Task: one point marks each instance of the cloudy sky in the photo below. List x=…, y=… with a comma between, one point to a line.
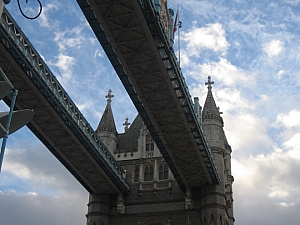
x=251, y=49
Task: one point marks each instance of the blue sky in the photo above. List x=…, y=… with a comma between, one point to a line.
x=251, y=49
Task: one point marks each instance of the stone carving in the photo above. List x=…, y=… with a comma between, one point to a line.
x=120, y=204
x=189, y=201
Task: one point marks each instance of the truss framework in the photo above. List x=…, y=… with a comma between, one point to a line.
x=58, y=123
x=134, y=40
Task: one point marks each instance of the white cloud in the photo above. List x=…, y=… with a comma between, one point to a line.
x=44, y=18
x=280, y=73
x=293, y=2
x=277, y=192
x=65, y=64
x=292, y=119
x=225, y=73
x=266, y=180
x=69, y=38
x=230, y=99
x=98, y=53
x=46, y=188
x=83, y=106
x=273, y=48
x=32, y=208
x=17, y=169
x=32, y=194
x=211, y=37
x=294, y=144
x=247, y=133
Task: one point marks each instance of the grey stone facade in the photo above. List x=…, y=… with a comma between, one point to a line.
x=155, y=197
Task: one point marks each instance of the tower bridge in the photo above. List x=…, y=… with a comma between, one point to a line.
x=137, y=44
x=136, y=36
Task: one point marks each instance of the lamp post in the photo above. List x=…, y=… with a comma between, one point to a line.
x=2, y=2
x=13, y=120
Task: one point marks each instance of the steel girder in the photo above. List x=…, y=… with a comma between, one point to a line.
x=131, y=34
x=57, y=122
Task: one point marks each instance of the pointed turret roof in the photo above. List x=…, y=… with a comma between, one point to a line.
x=129, y=140
x=210, y=109
x=107, y=122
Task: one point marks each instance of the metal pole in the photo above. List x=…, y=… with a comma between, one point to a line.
x=5, y=77
x=1, y=7
x=178, y=37
x=6, y=133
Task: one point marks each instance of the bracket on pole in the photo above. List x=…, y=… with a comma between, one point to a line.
x=20, y=117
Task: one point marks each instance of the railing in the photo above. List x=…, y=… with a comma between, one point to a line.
x=170, y=62
x=37, y=71
x=172, y=66
x=112, y=56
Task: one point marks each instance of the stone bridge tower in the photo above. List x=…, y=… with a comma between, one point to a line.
x=216, y=200
x=155, y=197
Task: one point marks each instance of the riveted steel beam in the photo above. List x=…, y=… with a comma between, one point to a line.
x=58, y=123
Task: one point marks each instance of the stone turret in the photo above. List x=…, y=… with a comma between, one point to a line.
x=217, y=199
x=98, y=206
x=107, y=129
x=155, y=196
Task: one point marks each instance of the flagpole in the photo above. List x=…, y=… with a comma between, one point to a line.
x=177, y=26
x=178, y=38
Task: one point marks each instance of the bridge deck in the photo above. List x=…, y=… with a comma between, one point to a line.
x=132, y=35
x=57, y=121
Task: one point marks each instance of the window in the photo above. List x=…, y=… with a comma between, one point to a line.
x=148, y=173
x=151, y=173
x=149, y=143
x=136, y=174
x=163, y=172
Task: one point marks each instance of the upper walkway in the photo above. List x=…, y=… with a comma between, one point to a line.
x=57, y=122
x=135, y=36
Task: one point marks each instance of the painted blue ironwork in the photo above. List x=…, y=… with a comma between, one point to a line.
x=5, y=129
x=175, y=75
x=40, y=75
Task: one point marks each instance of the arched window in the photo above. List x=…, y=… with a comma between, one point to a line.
x=136, y=174
x=148, y=173
x=151, y=173
x=163, y=172
x=149, y=143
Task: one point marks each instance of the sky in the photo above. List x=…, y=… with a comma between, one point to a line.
x=251, y=49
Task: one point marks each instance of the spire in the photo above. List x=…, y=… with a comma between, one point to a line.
x=210, y=109
x=107, y=122
x=126, y=124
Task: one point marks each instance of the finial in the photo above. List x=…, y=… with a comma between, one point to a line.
x=126, y=124
x=209, y=83
x=109, y=96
